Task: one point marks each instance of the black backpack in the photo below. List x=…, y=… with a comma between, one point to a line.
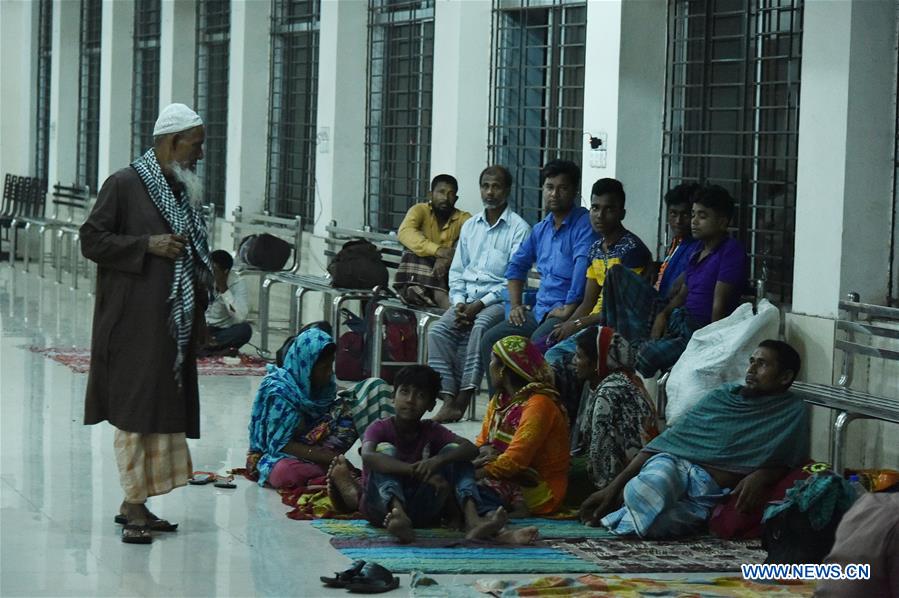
x=264, y=251
x=357, y=265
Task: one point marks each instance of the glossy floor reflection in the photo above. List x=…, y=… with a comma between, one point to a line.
x=59, y=487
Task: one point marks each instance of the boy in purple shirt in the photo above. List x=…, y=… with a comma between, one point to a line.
x=413, y=469
x=630, y=301
x=713, y=281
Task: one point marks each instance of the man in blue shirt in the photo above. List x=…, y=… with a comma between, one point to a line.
x=558, y=245
x=476, y=281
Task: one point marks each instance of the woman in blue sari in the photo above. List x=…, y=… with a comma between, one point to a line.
x=300, y=423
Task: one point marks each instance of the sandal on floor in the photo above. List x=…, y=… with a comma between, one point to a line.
x=373, y=579
x=136, y=534
x=344, y=577
x=155, y=524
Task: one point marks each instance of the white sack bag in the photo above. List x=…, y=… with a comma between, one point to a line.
x=716, y=354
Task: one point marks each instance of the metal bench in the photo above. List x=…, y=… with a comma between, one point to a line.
x=864, y=323
x=305, y=283
x=71, y=205
x=17, y=204
x=34, y=192
x=288, y=229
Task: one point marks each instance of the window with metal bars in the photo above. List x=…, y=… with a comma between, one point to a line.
x=145, y=82
x=44, y=58
x=537, y=91
x=398, y=119
x=211, y=93
x=89, y=94
x=292, y=117
x=732, y=119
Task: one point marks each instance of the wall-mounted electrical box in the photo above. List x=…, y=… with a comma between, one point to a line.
x=599, y=146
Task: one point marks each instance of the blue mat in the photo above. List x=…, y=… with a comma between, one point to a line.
x=439, y=550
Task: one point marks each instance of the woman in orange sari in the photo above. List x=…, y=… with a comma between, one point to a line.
x=524, y=439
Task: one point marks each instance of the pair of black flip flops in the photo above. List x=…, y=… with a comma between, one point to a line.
x=363, y=578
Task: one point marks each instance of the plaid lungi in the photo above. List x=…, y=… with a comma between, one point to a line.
x=416, y=283
x=670, y=497
x=151, y=464
x=629, y=303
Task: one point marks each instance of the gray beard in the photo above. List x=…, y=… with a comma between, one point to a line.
x=193, y=184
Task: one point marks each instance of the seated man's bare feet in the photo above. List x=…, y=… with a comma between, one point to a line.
x=488, y=526
x=343, y=489
x=399, y=525
x=518, y=536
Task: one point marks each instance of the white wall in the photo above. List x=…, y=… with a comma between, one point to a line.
x=461, y=93
x=340, y=120
x=18, y=71
x=177, y=51
x=63, y=150
x=624, y=92
x=116, y=79
x=843, y=194
x=248, y=91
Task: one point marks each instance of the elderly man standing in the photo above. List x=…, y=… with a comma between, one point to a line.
x=147, y=236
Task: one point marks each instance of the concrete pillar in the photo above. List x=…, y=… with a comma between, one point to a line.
x=844, y=178
x=844, y=188
x=18, y=99
x=624, y=103
x=248, y=90
x=63, y=150
x=340, y=163
x=177, y=53
x=116, y=59
x=461, y=103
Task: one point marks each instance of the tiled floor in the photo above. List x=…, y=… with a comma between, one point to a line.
x=59, y=487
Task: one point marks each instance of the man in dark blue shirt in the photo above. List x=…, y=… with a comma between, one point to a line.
x=558, y=245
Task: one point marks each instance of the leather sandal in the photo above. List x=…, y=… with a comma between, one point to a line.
x=154, y=523
x=373, y=579
x=341, y=579
x=136, y=534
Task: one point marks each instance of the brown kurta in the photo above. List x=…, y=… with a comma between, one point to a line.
x=131, y=381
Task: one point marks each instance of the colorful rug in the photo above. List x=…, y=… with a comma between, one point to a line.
x=595, y=586
x=79, y=361
x=563, y=547
x=359, y=530
x=704, y=554
x=440, y=550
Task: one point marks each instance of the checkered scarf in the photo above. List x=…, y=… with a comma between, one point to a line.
x=194, y=263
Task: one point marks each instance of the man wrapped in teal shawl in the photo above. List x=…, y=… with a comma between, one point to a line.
x=738, y=439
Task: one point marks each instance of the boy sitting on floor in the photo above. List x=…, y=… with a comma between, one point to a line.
x=413, y=469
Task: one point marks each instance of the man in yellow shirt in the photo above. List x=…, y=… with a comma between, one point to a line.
x=429, y=233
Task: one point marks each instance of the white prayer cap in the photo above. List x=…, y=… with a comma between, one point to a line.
x=175, y=118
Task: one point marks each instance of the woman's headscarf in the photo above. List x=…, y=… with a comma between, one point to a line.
x=285, y=395
x=614, y=353
x=294, y=379
x=524, y=358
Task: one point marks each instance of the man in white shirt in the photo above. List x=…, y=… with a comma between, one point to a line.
x=227, y=314
x=476, y=282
